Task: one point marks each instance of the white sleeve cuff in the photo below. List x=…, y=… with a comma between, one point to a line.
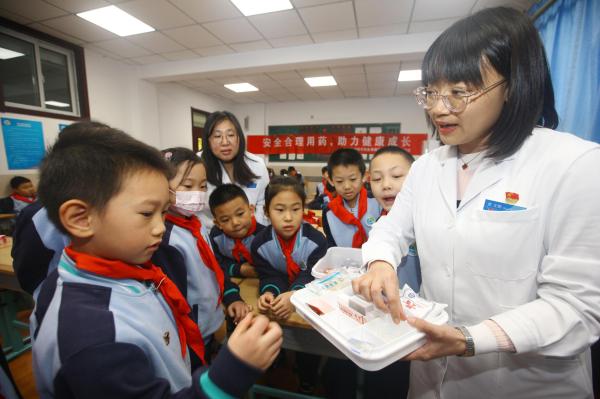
x=484, y=339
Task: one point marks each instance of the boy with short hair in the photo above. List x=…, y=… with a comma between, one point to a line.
x=234, y=230
x=349, y=217
x=108, y=323
x=23, y=194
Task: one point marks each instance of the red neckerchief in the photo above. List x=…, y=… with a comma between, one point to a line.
x=288, y=247
x=383, y=212
x=239, y=249
x=193, y=225
x=326, y=190
x=338, y=209
x=189, y=333
x=29, y=200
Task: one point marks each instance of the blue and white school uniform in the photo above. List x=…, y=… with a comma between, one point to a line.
x=310, y=246
x=223, y=246
x=99, y=337
x=179, y=257
x=37, y=247
x=340, y=234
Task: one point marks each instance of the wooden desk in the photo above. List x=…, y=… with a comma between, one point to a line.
x=8, y=279
x=10, y=289
x=7, y=215
x=298, y=334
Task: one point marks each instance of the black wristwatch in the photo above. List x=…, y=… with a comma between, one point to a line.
x=470, y=350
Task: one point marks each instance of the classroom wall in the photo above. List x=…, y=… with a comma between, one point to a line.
x=357, y=110
x=174, y=112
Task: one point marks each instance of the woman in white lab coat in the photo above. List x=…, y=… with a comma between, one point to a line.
x=506, y=219
x=227, y=161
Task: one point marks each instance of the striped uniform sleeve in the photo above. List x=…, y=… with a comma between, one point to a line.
x=270, y=280
x=305, y=276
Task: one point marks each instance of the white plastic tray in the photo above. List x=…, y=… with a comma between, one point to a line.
x=335, y=258
x=389, y=342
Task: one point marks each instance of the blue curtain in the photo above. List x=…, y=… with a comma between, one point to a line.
x=570, y=30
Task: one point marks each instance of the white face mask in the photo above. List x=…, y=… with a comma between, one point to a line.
x=189, y=202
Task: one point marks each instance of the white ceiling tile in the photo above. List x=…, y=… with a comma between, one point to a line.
x=308, y=96
x=156, y=42
x=385, y=30
x=382, y=12
x=307, y=73
x=35, y=10
x=193, y=36
x=227, y=79
x=431, y=26
x=251, y=46
x=180, y=55
x=291, y=41
x=292, y=84
x=204, y=84
x=382, y=78
x=284, y=75
x=329, y=92
x=435, y=9
x=123, y=48
x=75, y=6
x=233, y=30
x=310, y=3
x=382, y=85
x=208, y=10
x=355, y=93
x=353, y=85
x=386, y=67
x=213, y=50
x=329, y=17
x=384, y=92
x=258, y=78
x=53, y=32
x=347, y=70
x=275, y=91
x=323, y=37
x=101, y=51
x=278, y=24
x=150, y=59
x=14, y=17
x=160, y=14
x=80, y=28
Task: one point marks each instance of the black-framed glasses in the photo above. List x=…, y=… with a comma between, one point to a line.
x=455, y=101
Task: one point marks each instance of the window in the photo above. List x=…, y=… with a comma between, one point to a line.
x=40, y=75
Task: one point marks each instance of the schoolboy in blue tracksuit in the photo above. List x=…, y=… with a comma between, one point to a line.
x=235, y=227
x=108, y=323
x=349, y=217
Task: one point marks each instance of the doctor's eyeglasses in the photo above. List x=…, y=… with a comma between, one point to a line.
x=456, y=101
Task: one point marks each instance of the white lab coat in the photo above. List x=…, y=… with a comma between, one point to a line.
x=535, y=272
x=255, y=191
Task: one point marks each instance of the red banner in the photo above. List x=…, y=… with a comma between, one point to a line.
x=328, y=143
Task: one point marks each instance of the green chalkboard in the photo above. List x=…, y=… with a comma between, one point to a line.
x=326, y=129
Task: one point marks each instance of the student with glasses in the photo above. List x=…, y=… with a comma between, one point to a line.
x=505, y=217
x=227, y=161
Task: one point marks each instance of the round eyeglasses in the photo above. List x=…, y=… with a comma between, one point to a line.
x=456, y=101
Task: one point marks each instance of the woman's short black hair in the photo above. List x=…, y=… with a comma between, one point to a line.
x=345, y=157
x=506, y=40
x=283, y=183
x=242, y=174
x=392, y=149
x=225, y=193
x=175, y=156
x=89, y=161
x=16, y=181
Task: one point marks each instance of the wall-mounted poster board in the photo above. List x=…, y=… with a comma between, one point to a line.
x=23, y=143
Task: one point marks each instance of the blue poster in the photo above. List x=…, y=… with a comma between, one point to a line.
x=23, y=143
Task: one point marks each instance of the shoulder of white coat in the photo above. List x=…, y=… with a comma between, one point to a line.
x=255, y=158
x=551, y=146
